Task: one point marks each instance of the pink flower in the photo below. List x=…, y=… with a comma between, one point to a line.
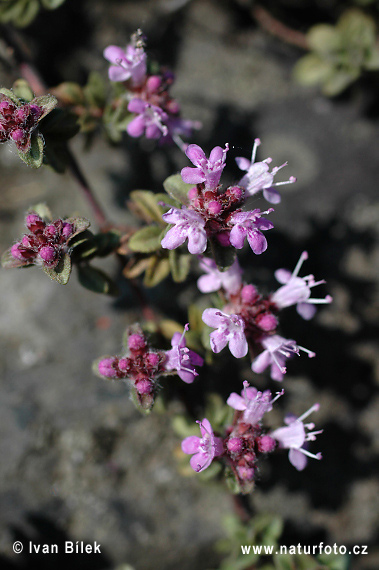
x=149, y=120
x=258, y=177
x=207, y=170
x=297, y=290
x=182, y=359
x=250, y=225
x=254, y=404
x=276, y=351
x=294, y=436
x=187, y=224
x=129, y=63
x=230, y=280
x=204, y=449
x=230, y=329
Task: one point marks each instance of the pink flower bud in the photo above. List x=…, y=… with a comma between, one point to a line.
x=17, y=135
x=246, y=473
x=108, y=367
x=192, y=193
x=153, y=359
x=250, y=457
x=266, y=444
x=36, y=111
x=34, y=223
x=136, y=342
x=50, y=230
x=124, y=364
x=235, y=193
x=266, y=322
x=6, y=106
x=48, y=253
x=235, y=445
x=18, y=252
x=21, y=114
x=248, y=294
x=67, y=230
x=153, y=83
x=214, y=208
x=144, y=386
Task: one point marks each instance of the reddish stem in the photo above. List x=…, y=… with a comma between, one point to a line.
x=278, y=29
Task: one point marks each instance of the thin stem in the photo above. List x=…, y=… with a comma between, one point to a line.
x=278, y=29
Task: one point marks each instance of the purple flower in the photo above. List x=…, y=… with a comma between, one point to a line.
x=182, y=359
x=149, y=120
x=258, y=177
x=205, y=449
x=127, y=64
x=230, y=280
x=254, y=404
x=187, y=224
x=276, y=351
x=297, y=290
x=230, y=329
x=250, y=225
x=294, y=436
x=207, y=170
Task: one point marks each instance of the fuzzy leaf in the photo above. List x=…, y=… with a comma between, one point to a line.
x=339, y=81
x=146, y=240
x=51, y=4
x=34, y=156
x=147, y=206
x=47, y=102
x=157, y=270
x=179, y=265
x=171, y=202
x=60, y=273
x=283, y=562
x=177, y=189
x=28, y=11
x=43, y=211
x=312, y=70
x=10, y=95
x=80, y=224
x=69, y=93
x=96, y=280
x=136, y=268
x=22, y=90
x=323, y=39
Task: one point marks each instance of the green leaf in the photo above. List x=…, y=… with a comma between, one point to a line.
x=223, y=256
x=323, y=39
x=161, y=197
x=180, y=265
x=146, y=204
x=43, y=211
x=177, y=189
x=96, y=280
x=283, y=562
x=34, y=156
x=372, y=60
x=47, y=102
x=95, y=91
x=335, y=561
x=356, y=28
x=339, y=81
x=29, y=10
x=51, y=4
x=157, y=270
x=10, y=95
x=312, y=70
x=60, y=273
x=70, y=93
x=107, y=242
x=22, y=90
x=146, y=240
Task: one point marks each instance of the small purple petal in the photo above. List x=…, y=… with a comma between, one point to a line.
x=191, y=444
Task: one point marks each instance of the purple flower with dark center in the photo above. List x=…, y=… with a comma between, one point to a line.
x=294, y=438
x=253, y=403
x=250, y=225
x=127, y=64
x=187, y=224
x=258, y=177
x=204, y=448
x=149, y=120
x=230, y=329
x=182, y=359
x=276, y=351
x=207, y=170
x=230, y=280
x=297, y=290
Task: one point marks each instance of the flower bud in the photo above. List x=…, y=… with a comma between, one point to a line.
x=153, y=359
x=34, y=223
x=136, y=342
x=48, y=253
x=235, y=445
x=266, y=444
x=248, y=294
x=246, y=473
x=67, y=230
x=108, y=367
x=124, y=364
x=17, y=135
x=214, y=208
x=144, y=386
x=153, y=83
x=266, y=322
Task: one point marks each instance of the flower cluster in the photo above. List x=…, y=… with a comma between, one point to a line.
x=246, y=441
x=142, y=365
x=18, y=121
x=156, y=113
x=46, y=243
x=250, y=320
x=212, y=213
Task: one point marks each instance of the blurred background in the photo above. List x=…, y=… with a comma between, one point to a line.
x=78, y=462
